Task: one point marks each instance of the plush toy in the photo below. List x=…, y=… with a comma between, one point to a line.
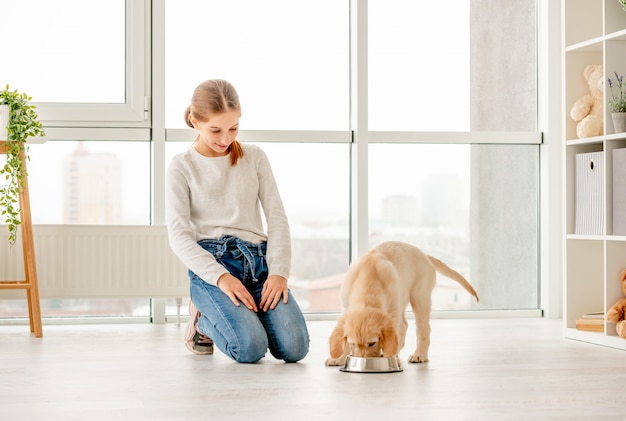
x=617, y=313
x=588, y=110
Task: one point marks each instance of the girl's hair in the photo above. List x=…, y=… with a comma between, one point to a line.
x=215, y=96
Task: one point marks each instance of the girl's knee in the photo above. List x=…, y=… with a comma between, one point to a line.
x=249, y=349
x=294, y=349
x=296, y=354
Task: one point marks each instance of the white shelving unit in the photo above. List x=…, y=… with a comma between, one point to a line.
x=594, y=32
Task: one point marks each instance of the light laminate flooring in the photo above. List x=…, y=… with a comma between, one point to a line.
x=479, y=369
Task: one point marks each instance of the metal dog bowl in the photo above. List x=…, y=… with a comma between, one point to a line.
x=371, y=365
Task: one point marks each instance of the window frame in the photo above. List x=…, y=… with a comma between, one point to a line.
x=135, y=111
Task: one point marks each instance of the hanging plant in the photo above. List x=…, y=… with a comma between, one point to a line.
x=22, y=124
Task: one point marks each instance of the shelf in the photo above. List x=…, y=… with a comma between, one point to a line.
x=585, y=237
x=596, y=140
x=597, y=338
x=618, y=136
x=616, y=36
x=616, y=238
x=588, y=46
x=595, y=33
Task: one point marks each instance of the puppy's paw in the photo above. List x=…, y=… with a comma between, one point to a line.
x=417, y=358
x=330, y=362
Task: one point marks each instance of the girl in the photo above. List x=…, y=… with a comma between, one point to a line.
x=238, y=272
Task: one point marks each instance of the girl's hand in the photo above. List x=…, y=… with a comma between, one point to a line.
x=235, y=290
x=274, y=288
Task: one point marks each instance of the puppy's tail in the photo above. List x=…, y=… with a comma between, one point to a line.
x=447, y=271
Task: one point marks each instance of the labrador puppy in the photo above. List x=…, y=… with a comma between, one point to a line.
x=375, y=294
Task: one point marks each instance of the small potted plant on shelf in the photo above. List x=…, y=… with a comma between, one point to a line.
x=617, y=102
x=18, y=122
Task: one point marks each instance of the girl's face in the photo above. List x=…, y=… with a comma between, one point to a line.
x=217, y=134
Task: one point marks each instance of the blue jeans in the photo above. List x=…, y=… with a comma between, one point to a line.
x=238, y=332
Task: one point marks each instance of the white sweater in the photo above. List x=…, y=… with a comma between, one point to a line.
x=207, y=198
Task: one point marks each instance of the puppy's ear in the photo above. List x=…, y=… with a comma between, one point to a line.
x=337, y=340
x=388, y=337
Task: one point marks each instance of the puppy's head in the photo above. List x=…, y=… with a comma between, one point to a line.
x=364, y=333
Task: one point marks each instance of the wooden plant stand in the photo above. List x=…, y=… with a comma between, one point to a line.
x=30, y=268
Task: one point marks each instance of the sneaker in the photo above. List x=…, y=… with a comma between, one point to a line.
x=195, y=341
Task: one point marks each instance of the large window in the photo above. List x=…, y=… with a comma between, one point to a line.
x=451, y=142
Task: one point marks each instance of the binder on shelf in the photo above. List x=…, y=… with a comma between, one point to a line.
x=619, y=191
x=590, y=193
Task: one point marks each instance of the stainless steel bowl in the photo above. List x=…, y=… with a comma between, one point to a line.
x=371, y=364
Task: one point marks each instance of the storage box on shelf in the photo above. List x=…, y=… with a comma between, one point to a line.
x=590, y=193
x=594, y=33
x=619, y=191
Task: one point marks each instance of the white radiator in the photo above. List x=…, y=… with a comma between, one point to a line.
x=87, y=261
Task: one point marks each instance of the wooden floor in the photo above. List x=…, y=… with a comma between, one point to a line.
x=480, y=369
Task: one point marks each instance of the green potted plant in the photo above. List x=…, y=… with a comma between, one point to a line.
x=617, y=102
x=623, y=3
x=21, y=121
